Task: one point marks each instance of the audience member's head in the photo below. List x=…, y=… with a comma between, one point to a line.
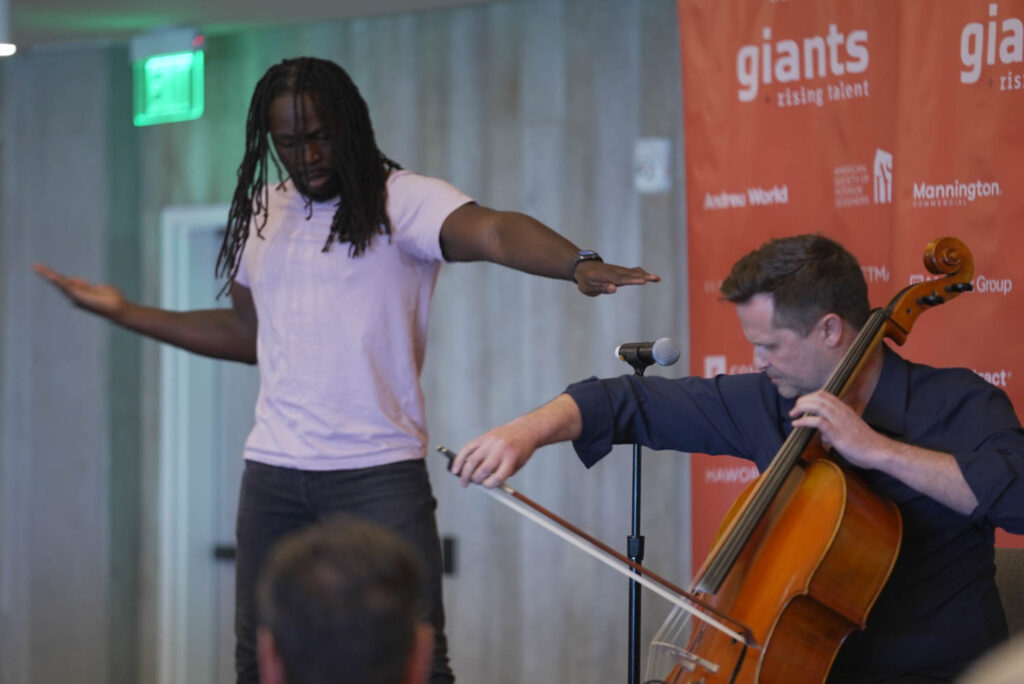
x=1002, y=665
x=340, y=604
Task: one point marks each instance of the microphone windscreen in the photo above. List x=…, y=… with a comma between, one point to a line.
x=665, y=351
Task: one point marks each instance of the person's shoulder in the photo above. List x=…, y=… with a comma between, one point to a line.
x=743, y=380
x=423, y=201
x=733, y=387
x=404, y=181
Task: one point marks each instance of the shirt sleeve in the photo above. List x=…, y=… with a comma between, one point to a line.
x=736, y=415
x=418, y=206
x=994, y=466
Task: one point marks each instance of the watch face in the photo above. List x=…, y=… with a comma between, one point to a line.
x=586, y=253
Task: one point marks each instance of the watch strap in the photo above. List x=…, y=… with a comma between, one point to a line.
x=581, y=256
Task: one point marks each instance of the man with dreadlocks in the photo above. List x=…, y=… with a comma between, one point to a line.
x=339, y=333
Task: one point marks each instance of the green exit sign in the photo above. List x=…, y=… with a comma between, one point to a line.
x=168, y=88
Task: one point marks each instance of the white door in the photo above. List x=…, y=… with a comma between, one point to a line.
x=206, y=411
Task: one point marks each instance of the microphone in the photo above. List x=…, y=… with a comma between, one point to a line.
x=664, y=352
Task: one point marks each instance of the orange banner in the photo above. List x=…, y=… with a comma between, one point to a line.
x=881, y=124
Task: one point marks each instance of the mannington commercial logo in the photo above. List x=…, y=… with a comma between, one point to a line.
x=955, y=193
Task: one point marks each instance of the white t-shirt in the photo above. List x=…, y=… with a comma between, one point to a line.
x=341, y=340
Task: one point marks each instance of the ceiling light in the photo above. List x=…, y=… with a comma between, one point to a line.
x=7, y=48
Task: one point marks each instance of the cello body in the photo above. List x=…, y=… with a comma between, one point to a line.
x=808, y=577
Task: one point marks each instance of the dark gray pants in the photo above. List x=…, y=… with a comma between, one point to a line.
x=277, y=501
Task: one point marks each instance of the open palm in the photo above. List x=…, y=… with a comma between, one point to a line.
x=102, y=299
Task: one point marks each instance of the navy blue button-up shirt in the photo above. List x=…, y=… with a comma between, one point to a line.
x=940, y=608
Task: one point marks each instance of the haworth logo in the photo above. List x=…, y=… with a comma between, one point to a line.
x=728, y=474
x=993, y=41
x=812, y=57
x=954, y=194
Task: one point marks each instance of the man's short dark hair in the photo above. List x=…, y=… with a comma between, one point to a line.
x=342, y=600
x=808, y=276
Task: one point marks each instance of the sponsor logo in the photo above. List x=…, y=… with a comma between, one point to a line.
x=999, y=40
x=752, y=197
x=985, y=285
x=981, y=284
x=876, y=274
x=810, y=58
x=883, y=177
x=999, y=378
x=731, y=474
x=953, y=194
x=712, y=286
x=851, y=181
x=716, y=364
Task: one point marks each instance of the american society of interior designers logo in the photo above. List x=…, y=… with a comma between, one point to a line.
x=857, y=186
x=799, y=66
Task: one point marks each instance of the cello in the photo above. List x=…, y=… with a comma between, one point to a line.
x=805, y=550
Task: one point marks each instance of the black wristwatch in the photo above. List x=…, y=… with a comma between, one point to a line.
x=582, y=255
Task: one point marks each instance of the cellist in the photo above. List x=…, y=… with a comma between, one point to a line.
x=943, y=444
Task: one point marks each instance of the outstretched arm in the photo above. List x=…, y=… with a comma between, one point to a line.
x=476, y=233
x=493, y=457
x=221, y=333
x=933, y=473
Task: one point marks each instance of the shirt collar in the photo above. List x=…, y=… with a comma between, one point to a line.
x=886, y=410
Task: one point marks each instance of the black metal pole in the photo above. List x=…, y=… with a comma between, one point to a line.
x=635, y=552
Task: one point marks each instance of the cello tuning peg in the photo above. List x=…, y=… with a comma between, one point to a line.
x=931, y=300
x=959, y=287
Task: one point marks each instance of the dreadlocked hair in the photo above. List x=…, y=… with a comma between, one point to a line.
x=360, y=167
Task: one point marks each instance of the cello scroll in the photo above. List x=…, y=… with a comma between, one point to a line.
x=946, y=255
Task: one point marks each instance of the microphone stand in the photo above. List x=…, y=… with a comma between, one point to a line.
x=639, y=355
x=635, y=552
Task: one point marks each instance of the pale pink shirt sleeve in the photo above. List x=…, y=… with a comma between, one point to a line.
x=418, y=206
